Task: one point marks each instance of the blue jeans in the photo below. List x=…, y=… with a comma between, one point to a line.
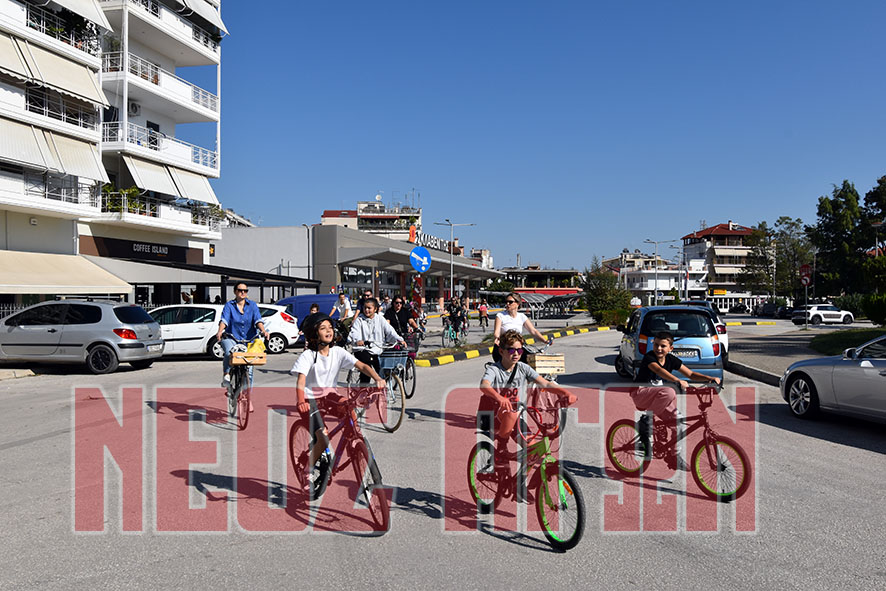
x=227, y=345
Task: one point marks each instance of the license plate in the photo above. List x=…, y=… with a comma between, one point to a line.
x=686, y=353
x=154, y=348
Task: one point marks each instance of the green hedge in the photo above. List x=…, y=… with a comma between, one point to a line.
x=875, y=308
x=613, y=317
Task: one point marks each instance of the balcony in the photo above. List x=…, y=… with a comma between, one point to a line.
x=153, y=85
x=158, y=146
x=163, y=30
x=53, y=105
x=162, y=215
x=83, y=37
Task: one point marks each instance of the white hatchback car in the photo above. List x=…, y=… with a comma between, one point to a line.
x=190, y=329
x=818, y=313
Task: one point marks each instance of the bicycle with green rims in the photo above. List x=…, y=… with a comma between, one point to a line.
x=559, y=504
x=452, y=337
x=719, y=465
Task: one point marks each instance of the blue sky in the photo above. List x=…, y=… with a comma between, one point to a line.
x=564, y=130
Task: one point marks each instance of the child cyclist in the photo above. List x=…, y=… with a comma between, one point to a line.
x=317, y=370
x=501, y=385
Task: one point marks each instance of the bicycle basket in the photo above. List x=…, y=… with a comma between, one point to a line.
x=391, y=359
x=412, y=342
x=547, y=364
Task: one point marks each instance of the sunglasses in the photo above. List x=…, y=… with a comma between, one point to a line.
x=397, y=302
x=241, y=290
x=511, y=301
x=515, y=351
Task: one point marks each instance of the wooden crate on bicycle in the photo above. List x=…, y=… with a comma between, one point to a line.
x=247, y=358
x=547, y=363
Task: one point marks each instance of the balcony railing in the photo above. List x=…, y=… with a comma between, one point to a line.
x=113, y=62
x=85, y=39
x=115, y=202
x=52, y=105
x=168, y=146
x=66, y=189
x=198, y=34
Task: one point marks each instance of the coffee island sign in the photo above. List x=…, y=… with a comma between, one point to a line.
x=428, y=241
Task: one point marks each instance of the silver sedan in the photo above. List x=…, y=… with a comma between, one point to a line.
x=853, y=383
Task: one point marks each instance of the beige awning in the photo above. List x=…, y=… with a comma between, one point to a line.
x=726, y=251
x=88, y=9
x=151, y=177
x=202, y=8
x=79, y=158
x=55, y=274
x=193, y=186
x=62, y=74
x=725, y=270
x=22, y=144
x=11, y=60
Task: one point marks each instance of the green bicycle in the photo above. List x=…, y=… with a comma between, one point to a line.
x=452, y=337
x=559, y=504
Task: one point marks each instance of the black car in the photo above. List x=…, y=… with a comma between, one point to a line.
x=784, y=312
x=738, y=309
x=766, y=310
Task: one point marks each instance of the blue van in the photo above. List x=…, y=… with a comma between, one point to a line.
x=300, y=305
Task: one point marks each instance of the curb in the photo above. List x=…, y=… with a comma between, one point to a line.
x=755, y=374
x=474, y=353
x=758, y=323
x=12, y=374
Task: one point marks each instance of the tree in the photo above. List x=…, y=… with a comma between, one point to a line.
x=602, y=291
x=839, y=243
x=756, y=275
x=792, y=250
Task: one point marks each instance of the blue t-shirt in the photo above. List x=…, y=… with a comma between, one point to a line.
x=241, y=326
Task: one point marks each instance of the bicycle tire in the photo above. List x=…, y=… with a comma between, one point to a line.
x=368, y=478
x=731, y=477
x=391, y=404
x=483, y=480
x=624, y=448
x=243, y=408
x=563, y=521
x=233, y=386
x=409, y=377
x=300, y=451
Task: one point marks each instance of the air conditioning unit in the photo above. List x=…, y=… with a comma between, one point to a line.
x=135, y=109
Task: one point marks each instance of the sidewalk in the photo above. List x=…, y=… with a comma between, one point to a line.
x=765, y=360
x=10, y=374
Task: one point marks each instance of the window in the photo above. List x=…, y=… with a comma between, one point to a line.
x=875, y=350
x=83, y=314
x=165, y=316
x=39, y=316
x=265, y=312
x=132, y=315
x=193, y=315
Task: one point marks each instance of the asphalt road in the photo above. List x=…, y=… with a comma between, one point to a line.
x=817, y=525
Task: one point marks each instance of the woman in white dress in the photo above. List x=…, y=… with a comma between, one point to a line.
x=511, y=318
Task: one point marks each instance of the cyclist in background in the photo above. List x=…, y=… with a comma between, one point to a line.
x=342, y=306
x=456, y=313
x=511, y=318
x=483, y=309
x=400, y=317
x=369, y=332
x=316, y=372
x=242, y=320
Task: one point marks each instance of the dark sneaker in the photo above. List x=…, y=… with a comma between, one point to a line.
x=317, y=479
x=644, y=429
x=675, y=462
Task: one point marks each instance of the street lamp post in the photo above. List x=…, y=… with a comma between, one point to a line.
x=684, y=271
x=451, y=241
x=656, y=243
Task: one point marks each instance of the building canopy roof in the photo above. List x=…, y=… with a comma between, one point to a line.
x=728, y=229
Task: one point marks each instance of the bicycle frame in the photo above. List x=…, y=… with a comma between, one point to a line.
x=350, y=431
x=700, y=422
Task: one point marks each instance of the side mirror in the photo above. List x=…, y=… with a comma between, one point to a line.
x=620, y=328
x=849, y=353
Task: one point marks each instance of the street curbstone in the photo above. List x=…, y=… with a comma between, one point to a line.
x=753, y=373
x=12, y=374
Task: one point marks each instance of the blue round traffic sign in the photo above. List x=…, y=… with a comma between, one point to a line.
x=420, y=259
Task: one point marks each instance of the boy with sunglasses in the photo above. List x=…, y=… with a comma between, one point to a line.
x=501, y=385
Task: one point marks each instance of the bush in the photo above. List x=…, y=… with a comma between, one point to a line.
x=853, y=302
x=612, y=317
x=875, y=308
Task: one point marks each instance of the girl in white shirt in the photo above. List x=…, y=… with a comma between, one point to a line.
x=511, y=318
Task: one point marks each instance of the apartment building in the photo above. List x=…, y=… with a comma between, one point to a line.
x=723, y=249
x=91, y=165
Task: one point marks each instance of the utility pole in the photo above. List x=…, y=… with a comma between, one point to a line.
x=451, y=244
x=656, y=243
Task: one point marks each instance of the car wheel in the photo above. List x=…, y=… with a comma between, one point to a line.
x=101, y=359
x=802, y=397
x=142, y=363
x=214, y=349
x=815, y=320
x=276, y=343
x=620, y=368
x=847, y=319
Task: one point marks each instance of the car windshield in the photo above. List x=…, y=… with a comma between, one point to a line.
x=681, y=324
x=132, y=315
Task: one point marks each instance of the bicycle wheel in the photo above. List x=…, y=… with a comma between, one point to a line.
x=299, y=451
x=624, y=448
x=560, y=507
x=243, y=407
x=483, y=481
x=409, y=377
x=368, y=478
x=391, y=404
x=723, y=475
x=446, y=338
x=233, y=388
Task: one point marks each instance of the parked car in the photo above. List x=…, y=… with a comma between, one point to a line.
x=100, y=334
x=853, y=383
x=190, y=329
x=766, y=310
x=821, y=313
x=739, y=308
x=784, y=312
x=718, y=323
x=696, y=341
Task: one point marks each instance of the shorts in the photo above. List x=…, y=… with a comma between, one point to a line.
x=487, y=412
x=314, y=416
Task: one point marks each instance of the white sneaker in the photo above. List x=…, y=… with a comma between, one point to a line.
x=226, y=381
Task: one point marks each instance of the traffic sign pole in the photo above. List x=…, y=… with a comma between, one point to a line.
x=807, y=306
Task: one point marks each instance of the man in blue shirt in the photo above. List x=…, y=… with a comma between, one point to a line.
x=240, y=318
